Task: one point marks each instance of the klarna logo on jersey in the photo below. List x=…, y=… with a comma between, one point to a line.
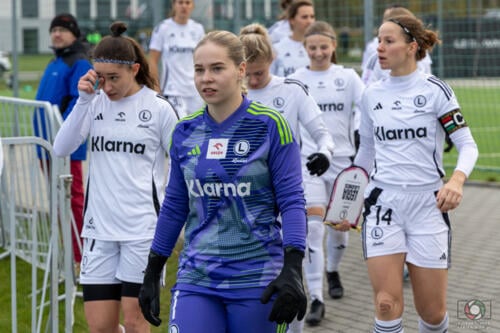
x=383, y=134
x=100, y=144
x=197, y=189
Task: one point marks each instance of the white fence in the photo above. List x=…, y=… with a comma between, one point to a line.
x=36, y=217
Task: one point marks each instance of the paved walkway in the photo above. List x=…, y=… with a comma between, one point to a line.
x=474, y=275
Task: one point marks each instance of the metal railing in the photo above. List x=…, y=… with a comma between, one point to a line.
x=35, y=215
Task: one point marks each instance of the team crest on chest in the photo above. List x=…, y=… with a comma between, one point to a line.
x=217, y=149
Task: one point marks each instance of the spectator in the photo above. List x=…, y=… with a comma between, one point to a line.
x=59, y=86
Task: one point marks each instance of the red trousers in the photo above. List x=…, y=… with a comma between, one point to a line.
x=77, y=200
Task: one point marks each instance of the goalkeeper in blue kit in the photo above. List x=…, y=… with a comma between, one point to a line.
x=235, y=166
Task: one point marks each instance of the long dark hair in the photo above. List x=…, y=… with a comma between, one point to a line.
x=125, y=51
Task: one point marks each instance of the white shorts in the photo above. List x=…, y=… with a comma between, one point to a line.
x=113, y=262
x=317, y=190
x=399, y=220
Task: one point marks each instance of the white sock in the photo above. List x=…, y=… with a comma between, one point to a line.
x=391, y=326
x=314, y=262
x=296, y=326
x=123, y=328
x=442, y=327
x=336, y=243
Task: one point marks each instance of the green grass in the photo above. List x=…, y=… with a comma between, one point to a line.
x=480, y=108
x=23, y=282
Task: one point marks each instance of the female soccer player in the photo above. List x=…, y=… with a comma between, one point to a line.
x=289, y=97
x=235, y=166
x=403, y=125
x=337, y=90
x=281, y=28
x=173, y=40
x=129, y=128
x=290, y=52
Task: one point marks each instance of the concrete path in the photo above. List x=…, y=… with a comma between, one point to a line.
x=474, y=275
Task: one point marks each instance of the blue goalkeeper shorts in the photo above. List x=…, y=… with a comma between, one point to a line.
x=221, y=312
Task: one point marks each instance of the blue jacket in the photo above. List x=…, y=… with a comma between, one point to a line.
x=59, y=85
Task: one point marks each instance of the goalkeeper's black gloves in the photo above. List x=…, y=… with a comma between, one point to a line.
x=317, y=164
x=291, y=301
x=149, y=295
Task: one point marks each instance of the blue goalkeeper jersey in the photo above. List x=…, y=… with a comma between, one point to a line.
x=227, y=184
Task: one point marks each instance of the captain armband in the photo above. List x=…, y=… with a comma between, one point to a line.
x=452, y=121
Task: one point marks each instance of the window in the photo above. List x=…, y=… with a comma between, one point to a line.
x=30, y=40
x=29, y=8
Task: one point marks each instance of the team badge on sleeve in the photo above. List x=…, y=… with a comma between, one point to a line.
x=346, y=200
x=452, y=121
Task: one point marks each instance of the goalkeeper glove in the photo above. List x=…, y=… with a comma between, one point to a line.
x=149, y=295
x=317, y=164
x=291, y=301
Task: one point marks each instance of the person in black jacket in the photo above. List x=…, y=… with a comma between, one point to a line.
x=59, y=86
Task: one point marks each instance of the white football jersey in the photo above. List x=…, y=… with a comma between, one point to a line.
x=290, y=98
x=402, y=115
x=128, y=140
x=279, y=30
x=290, y=56
x=338, y=92
x=176, y=42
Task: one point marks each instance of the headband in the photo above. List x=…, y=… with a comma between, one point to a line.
x=405, y=29
x=322, y=34
x=114, y=61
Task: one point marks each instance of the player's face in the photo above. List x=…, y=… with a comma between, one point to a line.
x=183, y=9
x=61, y=37
x=217, y=79
x=320, y=49
x=304, y=18
x=116, y=80
x=257, y=74
x=394, y=52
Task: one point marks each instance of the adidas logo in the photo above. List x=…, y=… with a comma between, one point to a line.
x=195, y=151
x=378, y=106
x=99, y=117
x=443, y=256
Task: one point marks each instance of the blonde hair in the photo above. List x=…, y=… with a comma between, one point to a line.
x=256, y=42
x=230, y=42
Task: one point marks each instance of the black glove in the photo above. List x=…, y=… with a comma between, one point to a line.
x=317, y=164
x=149, y=295
x=357, y=140
x=291, y=301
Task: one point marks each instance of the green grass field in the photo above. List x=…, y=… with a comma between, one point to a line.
x=23, y=282
x=479, y=103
